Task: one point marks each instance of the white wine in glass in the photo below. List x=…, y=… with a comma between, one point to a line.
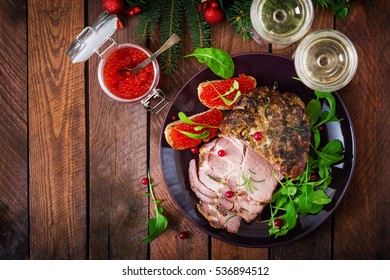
x=280, y=22
x=326, y=60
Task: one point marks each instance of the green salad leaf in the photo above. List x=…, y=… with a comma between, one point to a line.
x=219, y=61
x=157, y=224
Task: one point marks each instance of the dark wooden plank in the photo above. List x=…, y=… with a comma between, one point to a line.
x=362, y=223
x=317, y=245
x=224, y=38
x=56, y=132
x=223, y=251
x=168, y=245
x=118, y=207
x=13, y=131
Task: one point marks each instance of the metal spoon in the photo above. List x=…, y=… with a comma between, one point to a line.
x=169, y=43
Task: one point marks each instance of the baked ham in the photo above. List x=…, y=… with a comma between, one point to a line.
x=283, y=123
x=248, y=177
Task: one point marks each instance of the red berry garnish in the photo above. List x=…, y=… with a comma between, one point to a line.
x=221, y=153
x=183, y=235
x=132, y=12
x=314, y=177
x=258, y=136
x=229, y=194
x=137, y=10
x=278, y=222
x=144, y=181
x=194, y=150
x=320, y=128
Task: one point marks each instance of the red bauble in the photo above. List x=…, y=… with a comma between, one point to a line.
x=113, y=6
x=213, y=16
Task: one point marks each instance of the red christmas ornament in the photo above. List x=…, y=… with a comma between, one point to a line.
x=212, y=13
x=115, y=7
x=213, y=16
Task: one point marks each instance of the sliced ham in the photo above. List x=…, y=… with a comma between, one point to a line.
x=241, y=171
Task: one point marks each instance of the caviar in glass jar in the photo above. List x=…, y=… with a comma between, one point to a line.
x=127, y=85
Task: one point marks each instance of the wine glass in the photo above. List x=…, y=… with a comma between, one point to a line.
x=280, y=22
x=326, y=60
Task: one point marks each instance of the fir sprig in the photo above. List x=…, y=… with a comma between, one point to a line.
x=170, y=24
x=147, y=21
x=238, y=15
x=199, y=29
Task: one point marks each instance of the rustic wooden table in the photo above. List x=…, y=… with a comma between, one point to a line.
x=71, y=159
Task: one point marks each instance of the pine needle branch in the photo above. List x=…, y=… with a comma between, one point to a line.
x=238, y=14
x=147, y=21
x=199, y=29
x=171, y=19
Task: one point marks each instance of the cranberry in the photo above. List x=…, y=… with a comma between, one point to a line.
x=221, y=153
x=229, y=194
x=137, y=10
x=314, y=177
x=195, y=150
x=320, y=128
x=132, y=12
x=183, y=235
x=144, y=181
x=258, y=136
x=278, y=222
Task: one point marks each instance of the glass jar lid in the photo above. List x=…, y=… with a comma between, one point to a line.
x=92, y=38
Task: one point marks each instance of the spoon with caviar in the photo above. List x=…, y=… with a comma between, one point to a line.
x=169, y=43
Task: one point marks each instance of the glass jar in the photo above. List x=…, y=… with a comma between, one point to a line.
x=120, y=86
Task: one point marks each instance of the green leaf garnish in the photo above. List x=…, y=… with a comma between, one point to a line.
x=222, y=96
x=266, y=107
x=157, y=224
x=185, y=119
x=248, y=182
x=219, y=61
x=204, y=135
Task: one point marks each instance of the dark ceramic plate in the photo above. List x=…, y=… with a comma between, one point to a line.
x=267, y=69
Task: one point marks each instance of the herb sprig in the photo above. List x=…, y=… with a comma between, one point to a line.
x=302, y=196
x=248, y=182
x=228, y=102
x=183, y=117
x=158, y=224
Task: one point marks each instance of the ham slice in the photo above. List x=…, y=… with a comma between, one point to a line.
x=241, y=171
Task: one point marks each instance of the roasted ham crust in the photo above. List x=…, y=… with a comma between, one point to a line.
x=283, y=122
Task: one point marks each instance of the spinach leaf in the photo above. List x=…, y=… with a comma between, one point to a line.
x=313, y=110
x=320, y=197
x=306, y=197
x=159, y=223
x=218, y=60
x=332, y=105
x=334, y=147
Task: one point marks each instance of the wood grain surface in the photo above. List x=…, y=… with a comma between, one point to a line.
x=196, y=246
x=118, y=207
x=72, y=159
x=13, y=131
x=362, y=224
x=57, y=139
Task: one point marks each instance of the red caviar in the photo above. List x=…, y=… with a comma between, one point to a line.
x=181, y=141
x=209, y=94
x=125, y=85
